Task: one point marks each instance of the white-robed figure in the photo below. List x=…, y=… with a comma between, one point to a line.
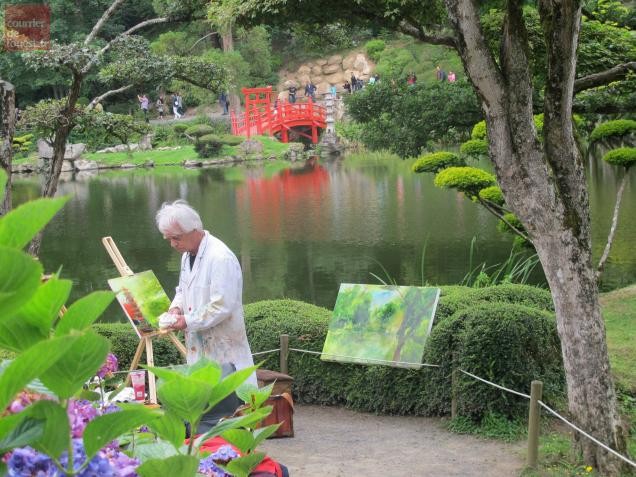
x=208, y=302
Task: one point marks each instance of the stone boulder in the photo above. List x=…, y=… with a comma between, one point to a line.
x=84, y=165
x=193, y=163
x=362, y=64
x=349, y=60
x=304, y=70
x=330, y=69
x=316, y=70
x=145, y=143
x=67, y=166
x=73, y=151
x=334, y=60
x=251, y=146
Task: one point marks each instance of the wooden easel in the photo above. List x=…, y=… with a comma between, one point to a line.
x=145, y=339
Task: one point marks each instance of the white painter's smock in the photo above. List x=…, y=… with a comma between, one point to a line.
x=210, y=296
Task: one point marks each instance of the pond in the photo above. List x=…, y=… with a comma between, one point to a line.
x=300, y=230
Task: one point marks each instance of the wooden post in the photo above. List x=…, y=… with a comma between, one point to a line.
x=284, y=352
x=534, y=414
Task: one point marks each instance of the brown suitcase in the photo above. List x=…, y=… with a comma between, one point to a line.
x=282, y=413
x=282, y=382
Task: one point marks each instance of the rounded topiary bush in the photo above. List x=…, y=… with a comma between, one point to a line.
x=492, y=194
x=623, y=156
x=179, y=129
x=199, y=130
x=611, y=129
x=208, y=145
x=474, y=147
x=469, y=180
x=231, y=140
x=526, y=295
x=437, y=161
x=124, y=341
x=374, y=48
x=479, y=131
x=505, y=343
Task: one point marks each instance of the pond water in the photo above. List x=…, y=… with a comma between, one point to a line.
x=300, y=231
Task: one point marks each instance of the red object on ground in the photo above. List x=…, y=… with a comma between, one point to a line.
x=267, y=465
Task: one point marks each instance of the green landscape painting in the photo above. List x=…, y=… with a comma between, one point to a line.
x=142, y=298
x=380, y=324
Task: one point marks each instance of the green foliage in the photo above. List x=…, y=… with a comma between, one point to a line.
x=407, y=119
x=199, y=130
x=492, y=426
x=617, y=128
x=437, y=161
x=479, y=131
x=210, y=145
x=374, y=48
x=254, y=45
x=352, y=131
x=468, y=180
x=22, y=144
x=180, y=128
x=492, y=194
x=474, y=147
x=623, y=156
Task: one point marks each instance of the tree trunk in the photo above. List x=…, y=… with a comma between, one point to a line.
x=227, y=39
x=7, y=130
x=546, y=189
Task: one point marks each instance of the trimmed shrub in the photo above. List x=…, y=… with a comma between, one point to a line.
x=474, y=147
x=210, y=145
x=437, y=161
x=199, y=130
x=623, y=156
x=179, y=129
x=374, y=48
x=612, y=129
x=492, y=194
x=479, y=131
x=124, y=341
x=505, y=343
x=469, y=180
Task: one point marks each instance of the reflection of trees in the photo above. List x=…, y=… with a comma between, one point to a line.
x=415, y=306
x=352, y=308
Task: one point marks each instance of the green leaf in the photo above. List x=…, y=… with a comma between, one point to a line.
x=103, y=429
x=19, y=279
x=242, y=466
x=205, y=370
x=248, y=420
x=169, y=427
x=17, y=335
x=240, y=438
x=19, y=226
x=155, y=450
x=187, y=398
x=229, y=385
x=175, y=466
x=30, y=364
x=87, y=395
x=81, y=361
x=254, y=396
x=18, y=431
x=81, y=314
x=44, y=306
x=263, y=433
x=57, y=433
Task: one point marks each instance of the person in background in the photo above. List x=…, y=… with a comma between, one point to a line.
x=143, y=104
x=451, y=77
x=175, y=105
x=347, y=86
x=334, y=91
x=159, y=104
x=224, y=101
x=208, y=304
x=292, y=93
x=354, y=82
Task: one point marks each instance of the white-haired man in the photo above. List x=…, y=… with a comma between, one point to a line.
x=208, y=303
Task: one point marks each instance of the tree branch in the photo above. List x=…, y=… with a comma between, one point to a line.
x=502, y=218
x=612, y=232
x=618, y=72
x=102, y=97
x=100, y=23
x=409, y=29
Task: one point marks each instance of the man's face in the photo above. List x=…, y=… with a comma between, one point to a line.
x=183, y=241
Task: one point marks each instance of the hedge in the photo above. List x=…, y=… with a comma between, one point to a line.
x=623, y=156
x=469, y=180
x=479, y=131
x=199, y=130
x=474, y=147
x=615, y=128
x=209, y=145
x=437, y=161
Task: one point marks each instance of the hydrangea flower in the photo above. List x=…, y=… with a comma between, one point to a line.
x=223, y=455
x=80, y=413
x=109, y=367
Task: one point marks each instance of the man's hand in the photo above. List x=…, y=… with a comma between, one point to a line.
x=180, y=324
x=175, y=311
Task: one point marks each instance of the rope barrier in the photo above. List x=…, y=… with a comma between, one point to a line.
x=373, y=360
x=265, y=352
x=527, y=396
x=593, y=439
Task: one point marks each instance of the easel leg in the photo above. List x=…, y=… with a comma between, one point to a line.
x=177, y=343
x=135, y=361
x=150, y=360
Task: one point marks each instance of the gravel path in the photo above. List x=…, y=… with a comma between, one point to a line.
x=334, y=442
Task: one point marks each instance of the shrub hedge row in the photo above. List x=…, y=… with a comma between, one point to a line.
x=504, y=333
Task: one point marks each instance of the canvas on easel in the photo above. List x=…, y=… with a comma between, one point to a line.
x=143, y=300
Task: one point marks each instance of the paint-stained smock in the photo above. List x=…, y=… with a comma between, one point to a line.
x=210, y=295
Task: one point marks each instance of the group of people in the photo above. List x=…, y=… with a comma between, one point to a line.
x=441, y=75
x=176, y=101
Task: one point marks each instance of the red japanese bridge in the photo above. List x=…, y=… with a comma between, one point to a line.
x=281, y=118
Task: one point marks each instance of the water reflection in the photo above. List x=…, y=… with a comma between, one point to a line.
x=299, y=232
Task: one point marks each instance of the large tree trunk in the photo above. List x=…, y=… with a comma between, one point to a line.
x=227, y=39
x=7, y=130
x=546, y=188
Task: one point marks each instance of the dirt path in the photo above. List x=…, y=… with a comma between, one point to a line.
x=334, y=442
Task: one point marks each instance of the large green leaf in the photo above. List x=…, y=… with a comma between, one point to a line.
x=175, y=466
x=103, y=429
x=44, y=306
x=18, y=431
x=155, y=450
x=81, y=314
x=57, y=432
x=80, y=363
x=263, y=433
x=185, y=397
x=19, y=279
x=30, y=364
x=252, y=395
x=229, y=385
x=205, y=370
x=169, y=427
x=249, y=420
x=17, y=335
x=242, y=466
x=240, y=438
x=19, y=226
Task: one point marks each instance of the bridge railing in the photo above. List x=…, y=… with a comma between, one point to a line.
x=269, y=121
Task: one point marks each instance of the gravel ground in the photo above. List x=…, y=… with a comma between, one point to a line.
x=334, y=442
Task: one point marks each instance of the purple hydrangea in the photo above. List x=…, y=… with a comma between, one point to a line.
x=80, y=413
x=27, y=462
x=223, y=455
x=109, y=367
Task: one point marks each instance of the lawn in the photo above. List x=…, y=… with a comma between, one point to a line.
x=619, y=311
